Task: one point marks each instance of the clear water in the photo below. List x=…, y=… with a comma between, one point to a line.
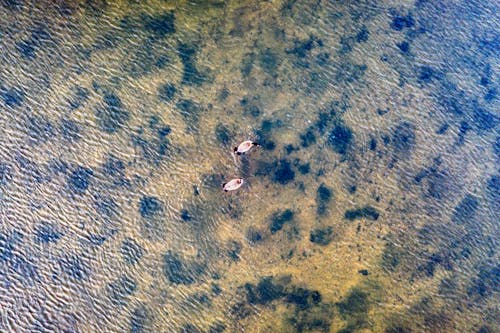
x=371, y=206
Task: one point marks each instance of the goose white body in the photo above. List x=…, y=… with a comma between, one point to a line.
x=244, y=147
x=233, y=184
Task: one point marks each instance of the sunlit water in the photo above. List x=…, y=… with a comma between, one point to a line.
x=370, y=206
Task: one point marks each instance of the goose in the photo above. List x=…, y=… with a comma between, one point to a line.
x=244, y=147
x=233, y=184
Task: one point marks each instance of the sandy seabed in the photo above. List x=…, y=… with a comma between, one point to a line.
x=371, y=204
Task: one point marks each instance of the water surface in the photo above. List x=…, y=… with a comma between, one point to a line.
x=371, y=205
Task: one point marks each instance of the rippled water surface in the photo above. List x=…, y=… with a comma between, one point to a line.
x=371, y=205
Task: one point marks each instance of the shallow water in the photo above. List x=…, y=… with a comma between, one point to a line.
x=371, y=205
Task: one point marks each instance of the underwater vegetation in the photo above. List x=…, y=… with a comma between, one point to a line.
x=111, y=116
x=250, y=107
x=465, y=210
x=321, y=236
x=185, y=215
x=283, y=173
x=264, y=292
x=79, y=180
x=223, y=134
x=70, y=130
x=403, y=139
x=247, y=63
x=264, y=133
x=269, y=289
x=106, y=207
x=486, y=282
x=166, y=92
x=150, y=207
x=78, y=98
x=32, y=170
x=5, y=173
x=253, y=235
x=347, y=43
x=190, y=110
x=8, y=243
x=303, y=298
x=152, y=213
x=74, y=267
x=120, y=289
x=280, y=172
x=323, y=197
x=114, y=169
x=152, y=143
x=160, y=25
x=400, y=22
x=354, y=304
x=140, y=320
x=279, y=219
x=46, y=232
x=217, y=327
x=191, y=76
x=304, y=168
x=234, y=249
x=404, y=47
x=330, y=125
x=308, y=313
x=131, y=251
x=269, y=61
x=354, y=309
x=37, y=40
x=146, y=59
x=350, y=72
x=366, y=212
x=110, y=190
x=181, y=271
x=12, y=97
x=316, y=320
x=391, y=257
x=308, y=138
x=39, y=129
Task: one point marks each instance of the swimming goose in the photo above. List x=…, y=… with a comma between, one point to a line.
x=244, y=147
x=233, y=184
